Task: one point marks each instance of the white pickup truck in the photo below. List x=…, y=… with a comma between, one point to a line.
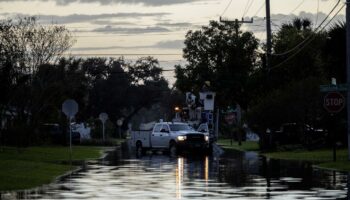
x=171, y=136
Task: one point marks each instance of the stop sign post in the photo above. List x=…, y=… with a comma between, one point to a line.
x=70, y=108
x=334, y=102
x=103, y=117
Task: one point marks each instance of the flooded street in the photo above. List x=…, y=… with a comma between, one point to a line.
x=156, y=176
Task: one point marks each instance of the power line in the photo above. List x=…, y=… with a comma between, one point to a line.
x=291, y=12
x=247, y=9
x=109, y=35
x=318, y=9
x=228, y=5
x=308, y=42
x=124, y=54
x=310, y=36
x=260, y=8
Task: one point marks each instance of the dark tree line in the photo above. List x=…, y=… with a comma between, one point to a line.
x=286, y=92
x=36, y=79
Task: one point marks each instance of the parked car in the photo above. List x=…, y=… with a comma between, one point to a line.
x=52, y=133
x=296, y=133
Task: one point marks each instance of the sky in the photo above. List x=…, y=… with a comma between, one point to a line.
x=138, y=28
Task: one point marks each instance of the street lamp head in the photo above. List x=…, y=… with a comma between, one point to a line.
x=177, y=109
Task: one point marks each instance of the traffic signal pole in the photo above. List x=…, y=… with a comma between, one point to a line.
x=348, y=69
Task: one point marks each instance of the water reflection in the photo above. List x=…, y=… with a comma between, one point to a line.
x=158, y=176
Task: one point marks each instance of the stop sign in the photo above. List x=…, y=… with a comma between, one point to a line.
x=334, y=102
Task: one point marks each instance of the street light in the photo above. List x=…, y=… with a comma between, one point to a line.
x=177, y=113
x=177, y=109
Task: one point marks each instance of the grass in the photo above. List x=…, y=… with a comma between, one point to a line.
x=34, y=166
x=324, y=155
x=322, y=158
x=246, y=145
x=339, y=165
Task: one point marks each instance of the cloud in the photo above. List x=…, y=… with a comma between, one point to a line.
x=113, y=23
x=169, y=44
x=108, y=2
x=78, y=18
x=176, y=25
x=110, y=29
x=75, y=18
x=278, y=19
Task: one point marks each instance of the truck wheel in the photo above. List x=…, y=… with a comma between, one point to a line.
x=173, y=148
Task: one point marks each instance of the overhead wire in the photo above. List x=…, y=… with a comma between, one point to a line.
x=317, y=11
x=260, y=8
x=308, y=42
x=249, y=5
x=124, y=54
x=310, y=36
x=228, y=5
x=291, y=12
x=108, y=35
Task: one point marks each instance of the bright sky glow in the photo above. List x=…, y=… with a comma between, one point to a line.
x=136, y=28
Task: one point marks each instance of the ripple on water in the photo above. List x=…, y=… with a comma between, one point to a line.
x=162, y=177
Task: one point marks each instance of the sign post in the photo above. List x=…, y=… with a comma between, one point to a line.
x=334, y=102
x=103, y=117
x=70, y=108
x=230, y=118
x=120, y=123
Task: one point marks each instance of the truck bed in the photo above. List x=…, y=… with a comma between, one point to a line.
x=141, y=135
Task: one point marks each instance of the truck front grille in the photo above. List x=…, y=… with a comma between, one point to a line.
x=195, y=137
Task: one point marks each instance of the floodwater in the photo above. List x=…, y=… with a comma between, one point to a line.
x=121, y=175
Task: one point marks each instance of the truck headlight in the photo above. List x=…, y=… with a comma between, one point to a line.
x=181, y=137
x=206, y=138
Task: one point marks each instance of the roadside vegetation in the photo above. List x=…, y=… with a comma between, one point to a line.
x=31, y=167
x=322, y=158
x=246, y=145
x=36, y=78
x=281, y=102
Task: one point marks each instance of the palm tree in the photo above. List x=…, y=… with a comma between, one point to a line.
x=335, y=52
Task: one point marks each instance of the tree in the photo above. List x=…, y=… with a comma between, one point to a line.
x=53, y=84
x=28, y=44
x=123, y=89
x=334, y=52
x=289, y=91
x=292, y=64
x=145, y=69
x=24, y=46
x=217, y=54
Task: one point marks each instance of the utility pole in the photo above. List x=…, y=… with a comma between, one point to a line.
x=348, y=68
x=268, y=36
x=237, y=23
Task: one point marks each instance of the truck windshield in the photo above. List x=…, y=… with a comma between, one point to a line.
x=180, y=127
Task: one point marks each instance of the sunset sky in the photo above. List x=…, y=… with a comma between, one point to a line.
x=135, y=28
